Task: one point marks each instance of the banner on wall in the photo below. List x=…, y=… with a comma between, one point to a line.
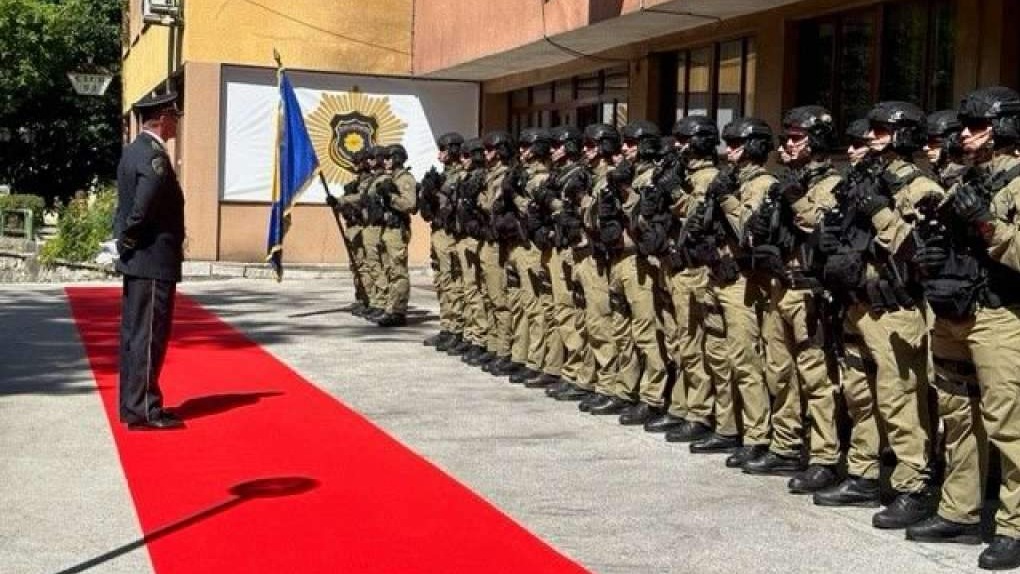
x=344, y=113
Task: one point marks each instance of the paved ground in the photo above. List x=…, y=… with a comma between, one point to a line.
x=616, y=499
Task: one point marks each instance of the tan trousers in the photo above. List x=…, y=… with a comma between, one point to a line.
x=635, y=278
x=897, y=343
x=796, y=375
x=448, y=284
x=476, y=318
x=693, y=396
x=553, y=353
x=356, y=262
x=394, y=259
x=731, y=332
x=578, y=363
x=527, y=316
x=598, y=320
x=991, y=342
x=371, y=238
x=494, y=292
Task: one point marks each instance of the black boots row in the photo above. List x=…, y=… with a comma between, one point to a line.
x=378, y=316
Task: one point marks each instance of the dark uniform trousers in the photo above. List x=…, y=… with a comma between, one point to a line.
x=147, y=313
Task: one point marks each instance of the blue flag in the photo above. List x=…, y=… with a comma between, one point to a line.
x=296, y=167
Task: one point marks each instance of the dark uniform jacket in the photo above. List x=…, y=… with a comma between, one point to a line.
x=149, y=226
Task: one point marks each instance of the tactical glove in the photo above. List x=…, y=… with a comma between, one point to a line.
x=970, y=205
x=792, y=188
x=332, y=201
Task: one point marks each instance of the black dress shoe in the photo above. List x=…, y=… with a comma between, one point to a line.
x=689, y=432
x=163, y=421
x=812, y=479
x=664, y=422
x=773, y=463
x=392, y=320
x=938, y=529
x=614, y=406
x=594, y=400
x=1002, y=554
x=524, y=375
x=906, y=509
x=639, y=414
x=747, y=454
x=714, y=443
x=853, y=491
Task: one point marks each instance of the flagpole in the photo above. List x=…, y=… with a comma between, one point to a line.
x=339, y=223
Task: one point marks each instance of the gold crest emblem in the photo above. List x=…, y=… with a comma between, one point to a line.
x=346, y=123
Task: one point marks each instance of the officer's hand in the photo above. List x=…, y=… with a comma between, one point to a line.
x=332, y=201
x=621, y=175
x=721, y=186
x=871, y=202
x=792, y=188
x=931, y=258
x=759, y=225
x=970, y=205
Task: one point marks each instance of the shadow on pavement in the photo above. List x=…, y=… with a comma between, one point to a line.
x=199, y=407
x=239, y=493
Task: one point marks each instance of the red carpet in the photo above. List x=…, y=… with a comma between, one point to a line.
x=377, y=507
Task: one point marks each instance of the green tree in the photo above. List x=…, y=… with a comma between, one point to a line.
x=53, y=141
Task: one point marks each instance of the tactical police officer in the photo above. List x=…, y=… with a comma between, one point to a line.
x=398, y=193
x=469, y=230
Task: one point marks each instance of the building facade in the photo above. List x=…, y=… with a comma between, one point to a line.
x=548, y=62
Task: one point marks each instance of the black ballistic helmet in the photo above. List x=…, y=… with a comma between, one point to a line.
x=570, y=138
x=379, y=152
x=475, y=151
x=397, y=154
x=537, y=140
x=816, y=122
x=603, y=136
x=647, y=136
x=702, y=133
x=905, y=120
x=755, y=135
x=944, y=126
x=502, y=143
x=857, y=132
x=998, y=105
x=450, y=142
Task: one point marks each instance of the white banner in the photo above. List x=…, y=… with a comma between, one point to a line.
x=343, y=113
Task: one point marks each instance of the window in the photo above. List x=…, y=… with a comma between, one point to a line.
x=891, y=51
x=716, y=80
x=578, y=101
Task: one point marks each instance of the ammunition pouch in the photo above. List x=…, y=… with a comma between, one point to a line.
x=844, y=269
x=884, y=295
x=955, y=293
x=396, y=220
x=726, y=270
x=513, y=280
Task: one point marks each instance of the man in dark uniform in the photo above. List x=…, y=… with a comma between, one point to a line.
x=149, y=229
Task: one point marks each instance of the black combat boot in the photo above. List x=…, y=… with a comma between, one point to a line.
x=746, y=455
x=689, y=432
x=639, y=414
x=392, y=320
x=521, y=376
x=358, y=309
x=907, y=508
x=853, y=491
x=437, y=339
x=543, y=381
x=453, y=339
x=472, y=354
x=503, y=367
x=574, y=393
x=459, y=348
x=774, y=463
x=560, y=387
x=1002, y=554
x=715, y=443
x=594, y=400
x=938, y=529
x=614, y=406
x=812, y=479
x=664, y=422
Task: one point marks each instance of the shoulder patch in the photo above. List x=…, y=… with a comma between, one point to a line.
x=159, y=165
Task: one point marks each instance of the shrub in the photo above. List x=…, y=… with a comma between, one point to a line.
x=82, y=228
x=24, y=201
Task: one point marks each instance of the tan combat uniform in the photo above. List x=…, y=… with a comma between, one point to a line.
x=448, y=282
x=492, y=258
x=371, y=239
x=476, y=315
x=396, y=235
x=356, y=257
x=795, y=366
x=731, y=321
x=526, y=309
